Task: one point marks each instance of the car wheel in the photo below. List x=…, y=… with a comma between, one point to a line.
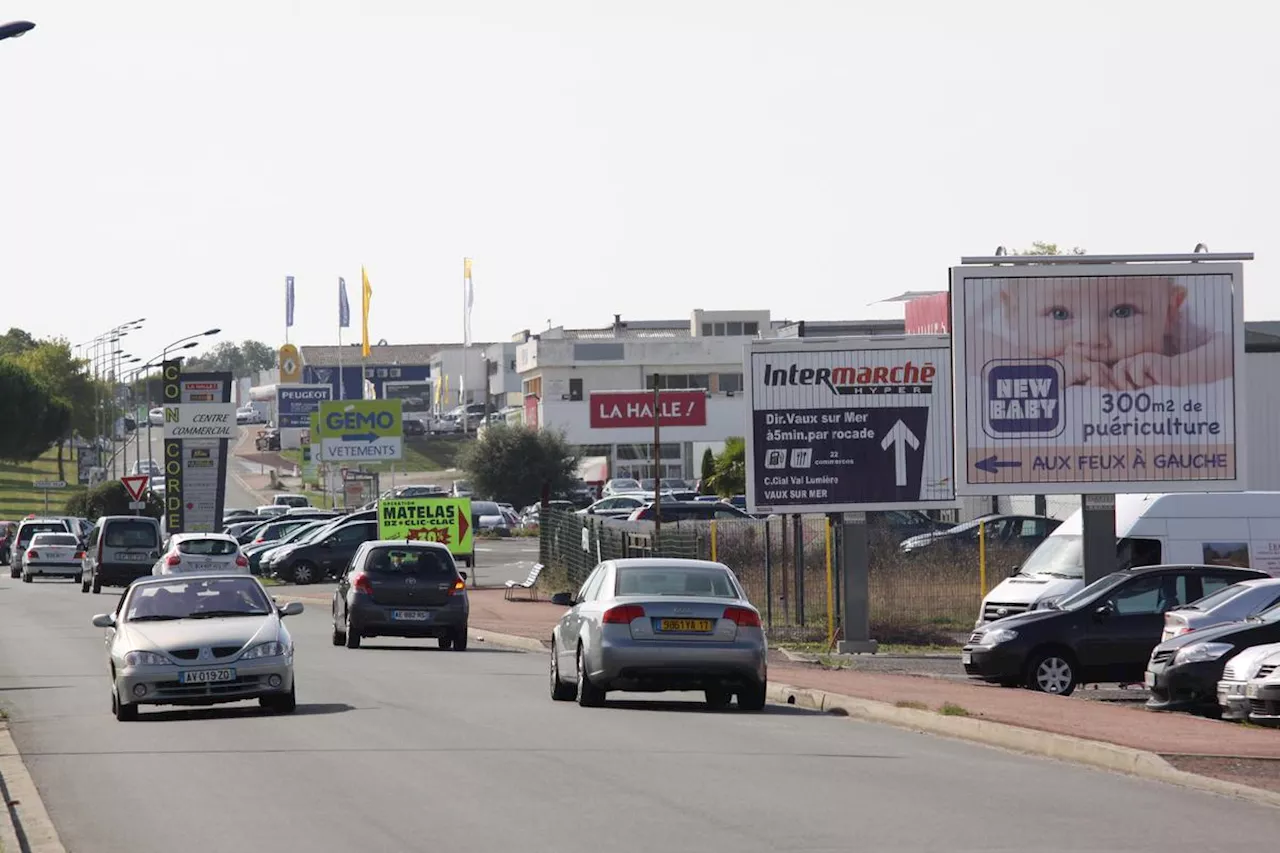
x=718, y=698
x=26, y=577
x=1051, y=672
x=753, y=698
x=124, y=713
x=446, y=643
x=353, y=635
x=339, y=635
x=588, y=694
x=285, y=704
x=560, y=690
x=460, y=639
x=304, y=573
x=97, y=585
x=84, y=586
x=15, y=573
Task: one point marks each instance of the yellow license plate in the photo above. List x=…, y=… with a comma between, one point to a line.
x=686, y=626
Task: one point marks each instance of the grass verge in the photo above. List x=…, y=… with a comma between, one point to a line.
x=951, y=709
x=885, y=648
x=17, y=496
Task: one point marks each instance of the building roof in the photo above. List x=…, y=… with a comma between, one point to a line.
x=415, y=354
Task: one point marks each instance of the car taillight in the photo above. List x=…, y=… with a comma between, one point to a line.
x=623, y=614
x=259, y=540
x=458, y=586
x=242, y=561
x=1185, y=629
x=363, y=584
x=33, y=555
x=79, y=555
x=742, y=617
x=173, y=560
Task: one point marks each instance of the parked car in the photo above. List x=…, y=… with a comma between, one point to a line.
x=155, y=417
x=1229, y=604
x=322, y=556
x=401, y=589
x=689, y=511
x=201, y=553
x=1233, y=700
x=288, y=500
x=620, y=486
x=121, y=549
x=1263, y=692
x=615, y=506
x=1183, y=672
x=652, y=625
x=1103, y=633
x=413, y=426
x=257, y=550
x=1016, y=531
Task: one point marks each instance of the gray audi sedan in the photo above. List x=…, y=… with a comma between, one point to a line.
x=652, y=625
x=199, y=640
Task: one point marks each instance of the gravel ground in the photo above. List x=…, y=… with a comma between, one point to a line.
x=1255, y=772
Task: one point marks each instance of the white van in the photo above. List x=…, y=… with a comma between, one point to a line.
x=1193, y=528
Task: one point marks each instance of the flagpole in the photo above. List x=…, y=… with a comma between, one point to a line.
x=341, y=393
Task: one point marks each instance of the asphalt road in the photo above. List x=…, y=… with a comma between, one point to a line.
x=399, y=747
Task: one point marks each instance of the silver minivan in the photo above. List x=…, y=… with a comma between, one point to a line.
x=120, y=549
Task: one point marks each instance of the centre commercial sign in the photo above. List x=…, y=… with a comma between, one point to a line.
x=360, y=430
x=295, y=403
x=199, y=419
x=1099, y=378
x=849, y=424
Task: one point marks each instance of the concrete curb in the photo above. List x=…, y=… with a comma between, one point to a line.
x=1106, y=756
x=27, y=826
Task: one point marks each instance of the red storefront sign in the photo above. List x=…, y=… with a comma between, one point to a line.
x=929, y=315
x=531, y=411
x=621, y=409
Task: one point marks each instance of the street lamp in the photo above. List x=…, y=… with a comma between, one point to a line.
x=14, y=29
x=165, y=355
x=152, y=363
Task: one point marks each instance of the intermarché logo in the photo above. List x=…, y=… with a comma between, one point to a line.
x=907, y=378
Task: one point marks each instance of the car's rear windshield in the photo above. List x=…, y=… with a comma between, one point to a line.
x=675, y=580
x=418, y=562
x=130, y=534
x=29, y=530
x=1220, y=597
x=485, y=508
x=54, y=539
x=207, y=547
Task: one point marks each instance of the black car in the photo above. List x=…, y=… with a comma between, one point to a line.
x=412, y=426
x=690, y=511
x=1184, y=671
x=1016, y=531
x=402, y=589
x=1102, y=634
x=325, y=555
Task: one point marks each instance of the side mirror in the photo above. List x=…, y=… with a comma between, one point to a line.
x=1105, y=610
x=328, y=543
x=462, y=575
x=293, y=608
x=1015, y=568
x=591, y=510
x=104, y=620
x=562, y=599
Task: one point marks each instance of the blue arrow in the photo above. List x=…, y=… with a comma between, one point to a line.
x=991, y=464
x=371, y=437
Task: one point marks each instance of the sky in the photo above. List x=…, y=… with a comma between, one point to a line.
x=593, y=158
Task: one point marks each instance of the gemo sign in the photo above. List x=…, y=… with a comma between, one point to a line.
x=358, y=421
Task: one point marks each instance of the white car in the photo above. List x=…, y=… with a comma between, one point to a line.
x=156, y=417
x=1237, y=674
x=1263, y=692
x=145, y=466
x=52, y=555
x=201, y=553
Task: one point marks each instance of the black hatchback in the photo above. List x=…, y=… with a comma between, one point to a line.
x=1102, y=634
x=402, y=589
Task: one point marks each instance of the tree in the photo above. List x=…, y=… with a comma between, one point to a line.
x=708, y=469
x=15, y=342
x=513, y=463
x=36, y=420
x=63, y=376
x=241, y=360
x=730, y=475
x=109, y=498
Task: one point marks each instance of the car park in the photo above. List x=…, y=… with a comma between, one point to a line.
x=1103, y=633
x=655, y=624
x=27, y=530
x=120, y=549
x=201, y=640
x=201, y=553
x=1233, y=701
x=401, y=589
x=52, y=555
x=324, y=555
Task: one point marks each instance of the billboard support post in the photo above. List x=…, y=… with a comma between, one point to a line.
x=1098, y=517
x=856, y=560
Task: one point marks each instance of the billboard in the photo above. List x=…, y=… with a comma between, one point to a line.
x=629, y=409
x=849, y=424
x=413, y=396
x=197, y=407
x=1098, y=378
x=295, y=403
x=360, y=431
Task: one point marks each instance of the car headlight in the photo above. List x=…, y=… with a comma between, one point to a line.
x=265, y=650
x=145, y=659
x=1199, y=652
x=998, y=636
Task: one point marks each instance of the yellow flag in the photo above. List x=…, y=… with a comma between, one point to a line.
x=364, y=322
x=466, y=268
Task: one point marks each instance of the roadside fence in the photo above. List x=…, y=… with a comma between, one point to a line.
x=790, y=567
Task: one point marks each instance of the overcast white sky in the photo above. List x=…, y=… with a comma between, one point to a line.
x=805, y=157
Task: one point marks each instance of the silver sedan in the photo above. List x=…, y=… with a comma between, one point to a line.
x=652, y=625
x=199, y=641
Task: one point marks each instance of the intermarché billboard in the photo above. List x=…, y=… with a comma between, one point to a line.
x=1100, y=378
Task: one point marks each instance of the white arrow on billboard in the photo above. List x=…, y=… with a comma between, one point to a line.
x=899, y=437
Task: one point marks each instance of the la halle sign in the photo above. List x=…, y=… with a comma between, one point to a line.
x=630, y=409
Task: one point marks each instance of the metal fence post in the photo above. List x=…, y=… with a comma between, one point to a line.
x=768, y=574
x=798, y=523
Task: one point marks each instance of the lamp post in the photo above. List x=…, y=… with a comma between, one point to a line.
x=15, y=29
x=152, y=363
x=164, y=356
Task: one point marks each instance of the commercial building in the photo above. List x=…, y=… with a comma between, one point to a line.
x=571, y=381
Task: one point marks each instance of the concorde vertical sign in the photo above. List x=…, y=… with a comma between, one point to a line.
x=199, y=420
x=171, y=394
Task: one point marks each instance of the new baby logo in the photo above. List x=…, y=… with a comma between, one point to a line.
x=1099, y=378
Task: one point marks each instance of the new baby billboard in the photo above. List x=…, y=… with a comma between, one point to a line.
x=1098, y=378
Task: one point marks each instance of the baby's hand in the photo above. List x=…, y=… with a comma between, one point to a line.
x=1146, y=369
x=1085, y=372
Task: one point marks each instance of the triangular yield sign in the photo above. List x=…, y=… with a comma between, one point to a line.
x=462, y=526
x=136, y=485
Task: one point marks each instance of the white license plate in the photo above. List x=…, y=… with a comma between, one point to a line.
x=1150, y=679
x=1251, y=691
x=133, y=558
x=207, y=676
x=410, y=615
x=966, y=658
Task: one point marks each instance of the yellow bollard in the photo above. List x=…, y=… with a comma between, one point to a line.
x=982, y=557
x=831, y=591
x=713, y=543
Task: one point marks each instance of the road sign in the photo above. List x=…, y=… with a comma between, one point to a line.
x=295, y=403
x=1099, y=378
x=137, y=504
x=443, y=520
x=136, y=486
x=360, y=430
x=849, y=424
x=51, y=484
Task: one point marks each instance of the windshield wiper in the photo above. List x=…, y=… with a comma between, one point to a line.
x=1058, y=575
x=155, y=617
x=217, y=614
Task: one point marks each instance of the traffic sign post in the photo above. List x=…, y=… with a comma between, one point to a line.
x=360, y=430
x=847, y=426
x=47, y=486
x=136, y=486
